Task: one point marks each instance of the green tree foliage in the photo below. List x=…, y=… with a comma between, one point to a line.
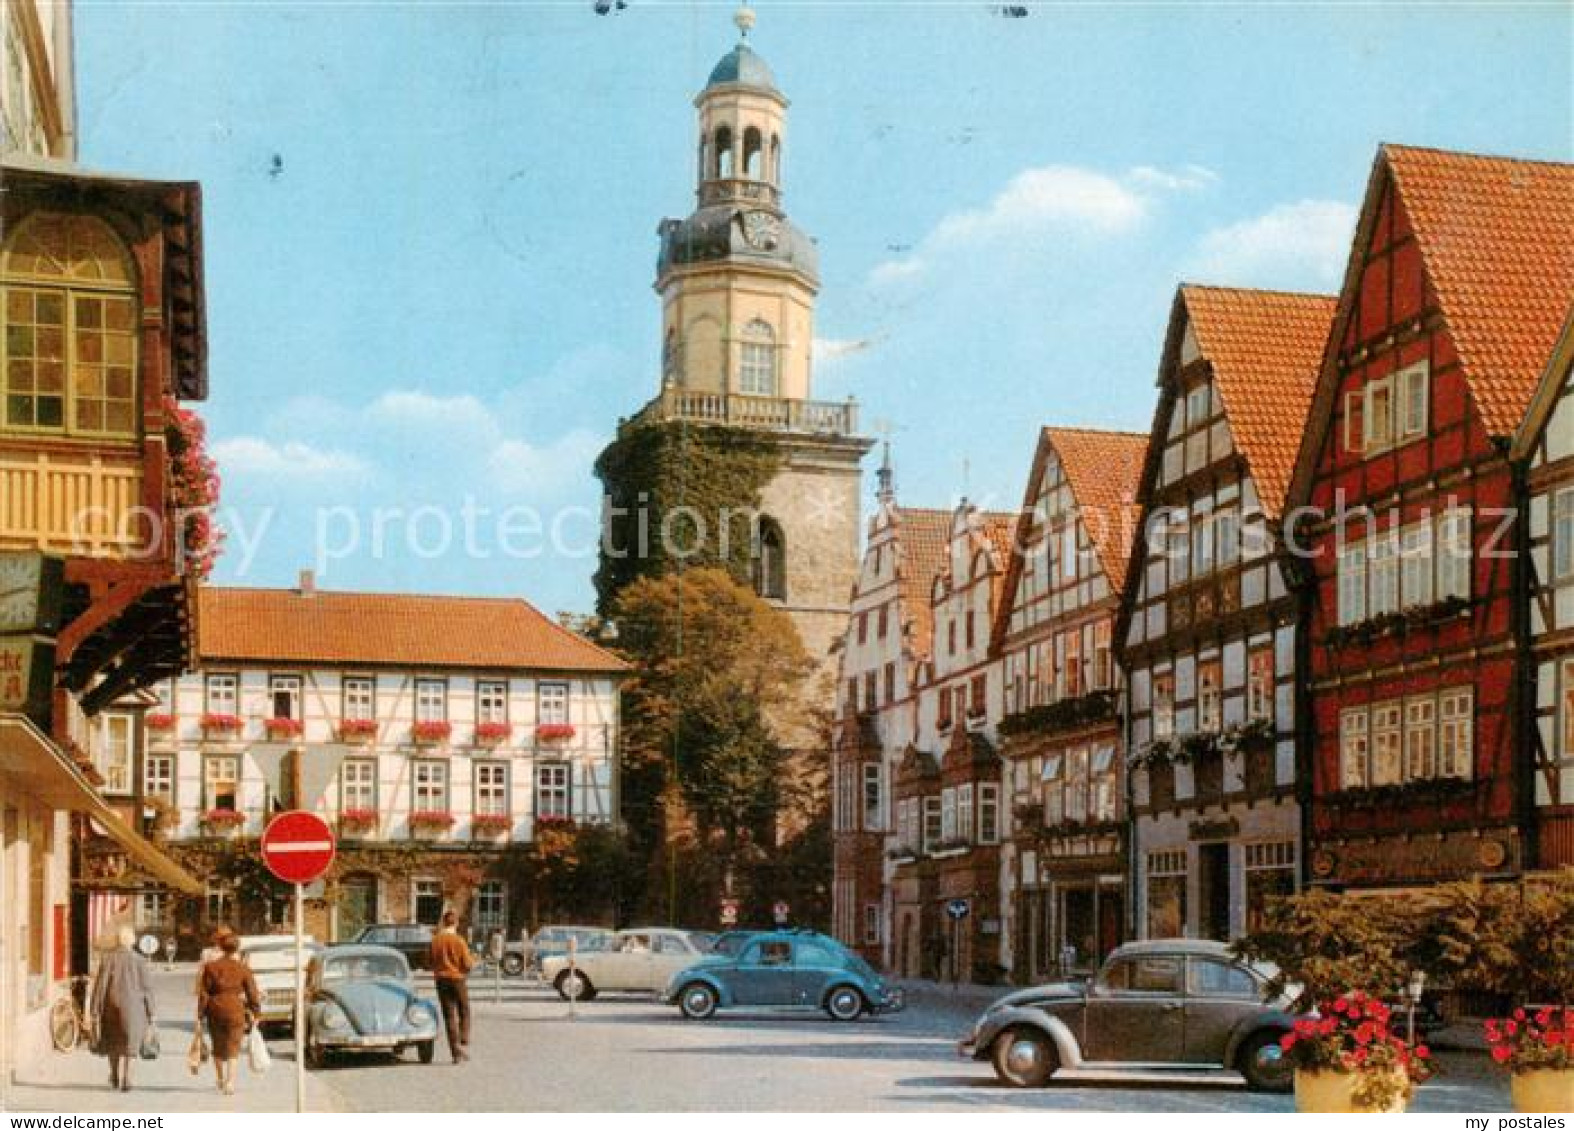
x=1331, y=944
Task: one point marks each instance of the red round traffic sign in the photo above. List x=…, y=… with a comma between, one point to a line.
x=297, y=846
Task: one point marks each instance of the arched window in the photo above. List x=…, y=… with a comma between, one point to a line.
x=757, y=374
x=776, y=160
x=70, y=309
x=753, y=154
x=770, y=560
x=724, y=153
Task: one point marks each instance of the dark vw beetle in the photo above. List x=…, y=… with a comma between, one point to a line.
x=363, y=999
x=1178, y=1004
x=783, y=969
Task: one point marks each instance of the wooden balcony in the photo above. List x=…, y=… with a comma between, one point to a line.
x=775, y=414
x=78, y=505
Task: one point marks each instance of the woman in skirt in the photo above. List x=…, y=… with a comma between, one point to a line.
x=227, y=999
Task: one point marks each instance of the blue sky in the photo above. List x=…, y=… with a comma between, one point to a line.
x=430, y=229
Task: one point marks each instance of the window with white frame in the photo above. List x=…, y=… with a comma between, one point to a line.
x=358, y=785
x=1270, y=874
x=220, y=694
x=988, y=813
x=964, y=813
x=907, y=824
x=491, y=906
x=1416, y=564
x=358, y=698
x=1383, y=584
x=757, y=373
x=431, y=787
x=873, y=799
x=1455, y=555
x=932, y=833
x=552, y=791
x=152, y=911
x=1409, y=567
x=1393, y=410
x=221, y=782
x=158, y=778
x=1421, y=737
x=1054, y=787
x=431, y=701
x=1563, y=533
x=284, y=697
x=947, y=815
x=1456, y=731
x=1227, y=536
x=552, y=703
x=1105, y=784
x=491, y=701
x=1077, y=783
x=1260, y=683
x=115, y=750
x=1352, y=583
x=1414, y=739
x=1163, y=704
x=1387, y=740
x=491, y=789
x=1210, y=695
x=1354, y=748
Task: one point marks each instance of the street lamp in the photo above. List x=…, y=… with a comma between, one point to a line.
x=1413, y=993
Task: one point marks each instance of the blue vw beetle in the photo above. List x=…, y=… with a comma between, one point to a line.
x=362, y=999
x=785, y=970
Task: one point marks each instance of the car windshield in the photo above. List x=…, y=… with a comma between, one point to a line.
x=363, y=967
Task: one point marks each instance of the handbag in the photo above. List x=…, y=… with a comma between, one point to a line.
x=150, y=1043
x=257, y=1056
x=198, y=1053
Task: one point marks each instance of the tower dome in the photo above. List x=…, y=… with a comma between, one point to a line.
x=741, y=66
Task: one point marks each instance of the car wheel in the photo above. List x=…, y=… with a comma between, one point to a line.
x=844, y=1004
x=1262, y=1061
x=697, y=1001
x=513, y=965
x=1025, y=1057
x=426, y=1051
x=574, y=984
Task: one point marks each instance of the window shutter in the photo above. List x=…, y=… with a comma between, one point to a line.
x=1354, y=437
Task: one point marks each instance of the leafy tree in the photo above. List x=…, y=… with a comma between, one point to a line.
x=1332, y=945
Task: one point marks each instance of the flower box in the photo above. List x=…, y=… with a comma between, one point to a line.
x=1347, y=1059
x=431, y=820
x=1537, y=1048
x=550, y=732
x=223, y=820
x=221, y=724
x=492, y=732
x=283, y=728
x=357, y=730
x=357, y=820
x=491, y=824
x=431, y=731
x=160, y=722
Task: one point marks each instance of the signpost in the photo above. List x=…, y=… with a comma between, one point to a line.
x=298, y=847
x=957, y=909
x=729, y=913
x=781, y=912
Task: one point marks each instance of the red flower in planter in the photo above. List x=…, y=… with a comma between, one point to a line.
x=358, y=818
x=492, y=732
x=282, y=728
x=431, y=730
x=1524, y=1042
x=551, y=731
x=491, y=824
x=223, y=818
x=357, y=728
x=212, y=721
x=160, y=722
x=431, y=819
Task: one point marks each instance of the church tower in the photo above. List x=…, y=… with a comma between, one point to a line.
x=737, y=282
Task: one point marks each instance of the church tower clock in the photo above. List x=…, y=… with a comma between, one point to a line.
x=734, y=409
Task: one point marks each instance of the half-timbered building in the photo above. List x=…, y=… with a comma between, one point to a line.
x=1207, y=634
x=1060, y=730
x=1456, y=286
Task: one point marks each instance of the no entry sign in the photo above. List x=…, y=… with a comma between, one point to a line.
x=297, y=846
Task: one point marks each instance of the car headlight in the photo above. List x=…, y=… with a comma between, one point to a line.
x=334, y=1018
x=420, y=1015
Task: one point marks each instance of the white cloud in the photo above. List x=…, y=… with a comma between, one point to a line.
x=252, y=455
x=411, y=407
x=1188, y=178
x=519, y=466
x=827, y=350
x=1291, y=245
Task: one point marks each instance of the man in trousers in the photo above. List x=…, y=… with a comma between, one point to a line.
x=452, y=962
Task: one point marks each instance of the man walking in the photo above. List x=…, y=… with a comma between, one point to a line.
x=451, y=965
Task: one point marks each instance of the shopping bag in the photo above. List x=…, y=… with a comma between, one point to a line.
x=257, y=1051
x=197, y=1054
x=150, y=1043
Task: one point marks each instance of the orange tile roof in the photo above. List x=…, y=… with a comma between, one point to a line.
x=923, y=537
x=1104, y=471
x=400, y=629
x=1497, y=240
x=1265, y=349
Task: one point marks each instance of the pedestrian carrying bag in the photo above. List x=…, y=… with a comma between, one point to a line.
x=257, y=1056
x=197, y=1055
x=150, y=1043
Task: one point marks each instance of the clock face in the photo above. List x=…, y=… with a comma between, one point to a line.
x=761, y=230
x=20, y=578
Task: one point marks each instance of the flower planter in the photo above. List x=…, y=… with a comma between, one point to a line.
x=222, y=822
x=1543, y=1090
x=490, y=828
x=430, y=733
x=491, y=734
x=357, y=730
x=160, y=722
x=280, y=729
x=224, y=728
x=555, y=732
x=1334, y=1093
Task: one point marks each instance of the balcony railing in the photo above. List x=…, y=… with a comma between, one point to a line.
x=72, y=504
x=777, y=414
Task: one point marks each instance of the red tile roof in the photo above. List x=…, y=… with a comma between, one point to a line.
x=1104, y=470
x=1265, y=349
x=398, y=629
x=923, y=537
x=1497, y=239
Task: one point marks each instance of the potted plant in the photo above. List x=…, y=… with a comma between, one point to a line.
x=430, y=731
x=282, y=728
x=491, y=824
x=1537, y=1048
x=549, y=732
x=220, y=725
x=357, y=730
x=431, y=821
x=160, y=721
x=357, y=821
x=221, y=821
x=492, y=733
x=1348, y=1060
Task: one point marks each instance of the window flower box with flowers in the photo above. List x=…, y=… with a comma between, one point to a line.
x=221, y=726
x=1063, y=714
x=490, y=734
x=431, y=822
x=194, y=488
x=1347, y=1059
x=160, y=722
x=554, y=732
x=222, y=822
x=357, y=822
x=1536, y=1046
x=283, y=728
x=488, y=825
x=431, y=732
x=357, y=730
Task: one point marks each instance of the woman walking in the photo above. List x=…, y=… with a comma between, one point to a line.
x=227, y=999
x=122, y=1007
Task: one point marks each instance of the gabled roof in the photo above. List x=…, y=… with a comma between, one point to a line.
x=923, y=537
x=1559, y=371
x=1264, y=349
x=392, y=629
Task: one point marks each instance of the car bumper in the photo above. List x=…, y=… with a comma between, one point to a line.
x=894, y=1002
x=371, y=1042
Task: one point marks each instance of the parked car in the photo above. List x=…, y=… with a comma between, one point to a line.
x=640, y=960
x=272, y=962
x=363, y=999
x=731, y=942
x=548, y=942
x=783, y=969
x=413, y=940
x=1177, y=1003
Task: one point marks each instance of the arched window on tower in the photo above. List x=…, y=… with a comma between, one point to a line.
x=724, y=153
x=776, y=160
x=757, y=373
x=770, y=560
x=753, y=154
